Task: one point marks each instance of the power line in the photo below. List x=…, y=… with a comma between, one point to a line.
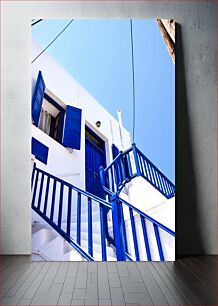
x=51, y=42
x=35, y=22
x=133, y=85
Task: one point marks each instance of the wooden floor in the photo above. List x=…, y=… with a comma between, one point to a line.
x=188, y=281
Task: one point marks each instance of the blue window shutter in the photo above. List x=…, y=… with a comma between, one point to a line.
x=39, y=150
x=115, y=151
x=72, y=129
x=37, y=98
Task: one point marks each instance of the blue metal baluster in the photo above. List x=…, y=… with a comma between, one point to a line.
x=134, y=149
x=119, y=166
x=112, y=179
x=124, y=228
x=166, y=187
x=69, y=210
x=140, y=164
x=33, y=174
x=122, y=168
x=155, y=177
x=53, y=201
x=148, y=253
x=60, y=206
x=129, y=164
x=118, y=229
x=78, y=220
x=145, y=167
x=40, y=191
x=163, y=186
x=134, y=234
x=103, y=242
x=90, y=242
x=151, y=173
x=35, y=188
x=159, y=181
x=157, y=235
x=46, y=195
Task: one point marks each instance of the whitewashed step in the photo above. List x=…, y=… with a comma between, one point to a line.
x=84, y=216
x=42, y=237
x=55, y=250
x=97, y=249
x=96, y=228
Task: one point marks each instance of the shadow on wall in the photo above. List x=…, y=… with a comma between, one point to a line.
x=188, y=227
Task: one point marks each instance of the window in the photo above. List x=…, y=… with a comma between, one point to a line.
x=63, y=125
x=51, y=118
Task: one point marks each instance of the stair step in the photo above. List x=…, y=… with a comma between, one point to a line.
x=42, y=237
x=84, y=226
x=56, y=250
x=97, y=249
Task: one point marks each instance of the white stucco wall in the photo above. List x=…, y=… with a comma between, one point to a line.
x=60, y=85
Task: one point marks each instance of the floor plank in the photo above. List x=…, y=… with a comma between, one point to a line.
x=188, y=281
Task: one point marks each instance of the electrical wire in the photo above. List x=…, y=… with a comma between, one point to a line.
x=133, y=85
x=51, y=42
x=35, y=22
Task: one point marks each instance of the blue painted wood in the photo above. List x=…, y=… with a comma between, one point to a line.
x=135, y=242
x=157, y=235
x=39, y=150
x=90, y=242
x=35, y=187
x=53, y=200
x=78, y=224
x=46, y=195
x=69, y=210
x=147, y=248
x=103, y=233
x=72, y=129
x=37, y=98
x=40, y=191
x=60, y=206
x=118, y=229
x=115, y=151
x=94, y=159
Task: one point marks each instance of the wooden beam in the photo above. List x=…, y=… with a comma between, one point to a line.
x=168, y=38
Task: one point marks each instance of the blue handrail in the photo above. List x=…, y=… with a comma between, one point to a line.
x=120, y=228
x=52, y=192
x=129, y=164
x=40, y=205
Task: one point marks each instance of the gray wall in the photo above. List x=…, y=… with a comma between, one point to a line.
x=196, y=140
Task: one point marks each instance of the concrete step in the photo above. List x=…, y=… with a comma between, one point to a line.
x=42, y=237
x=56, y=250
x=97, y=249
x=84, y=226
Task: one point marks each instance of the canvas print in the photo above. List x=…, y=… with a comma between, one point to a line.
x=103, y=140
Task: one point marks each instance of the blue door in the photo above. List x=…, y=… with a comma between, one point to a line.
x=95, y=157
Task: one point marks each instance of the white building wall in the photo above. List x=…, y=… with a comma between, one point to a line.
x=64, y=89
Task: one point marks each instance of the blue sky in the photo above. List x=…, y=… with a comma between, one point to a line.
x=97, y=53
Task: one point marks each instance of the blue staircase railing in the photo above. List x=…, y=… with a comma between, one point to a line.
x=53, y=200
x=122, y=211
x=49, y=192
x=130, y=164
